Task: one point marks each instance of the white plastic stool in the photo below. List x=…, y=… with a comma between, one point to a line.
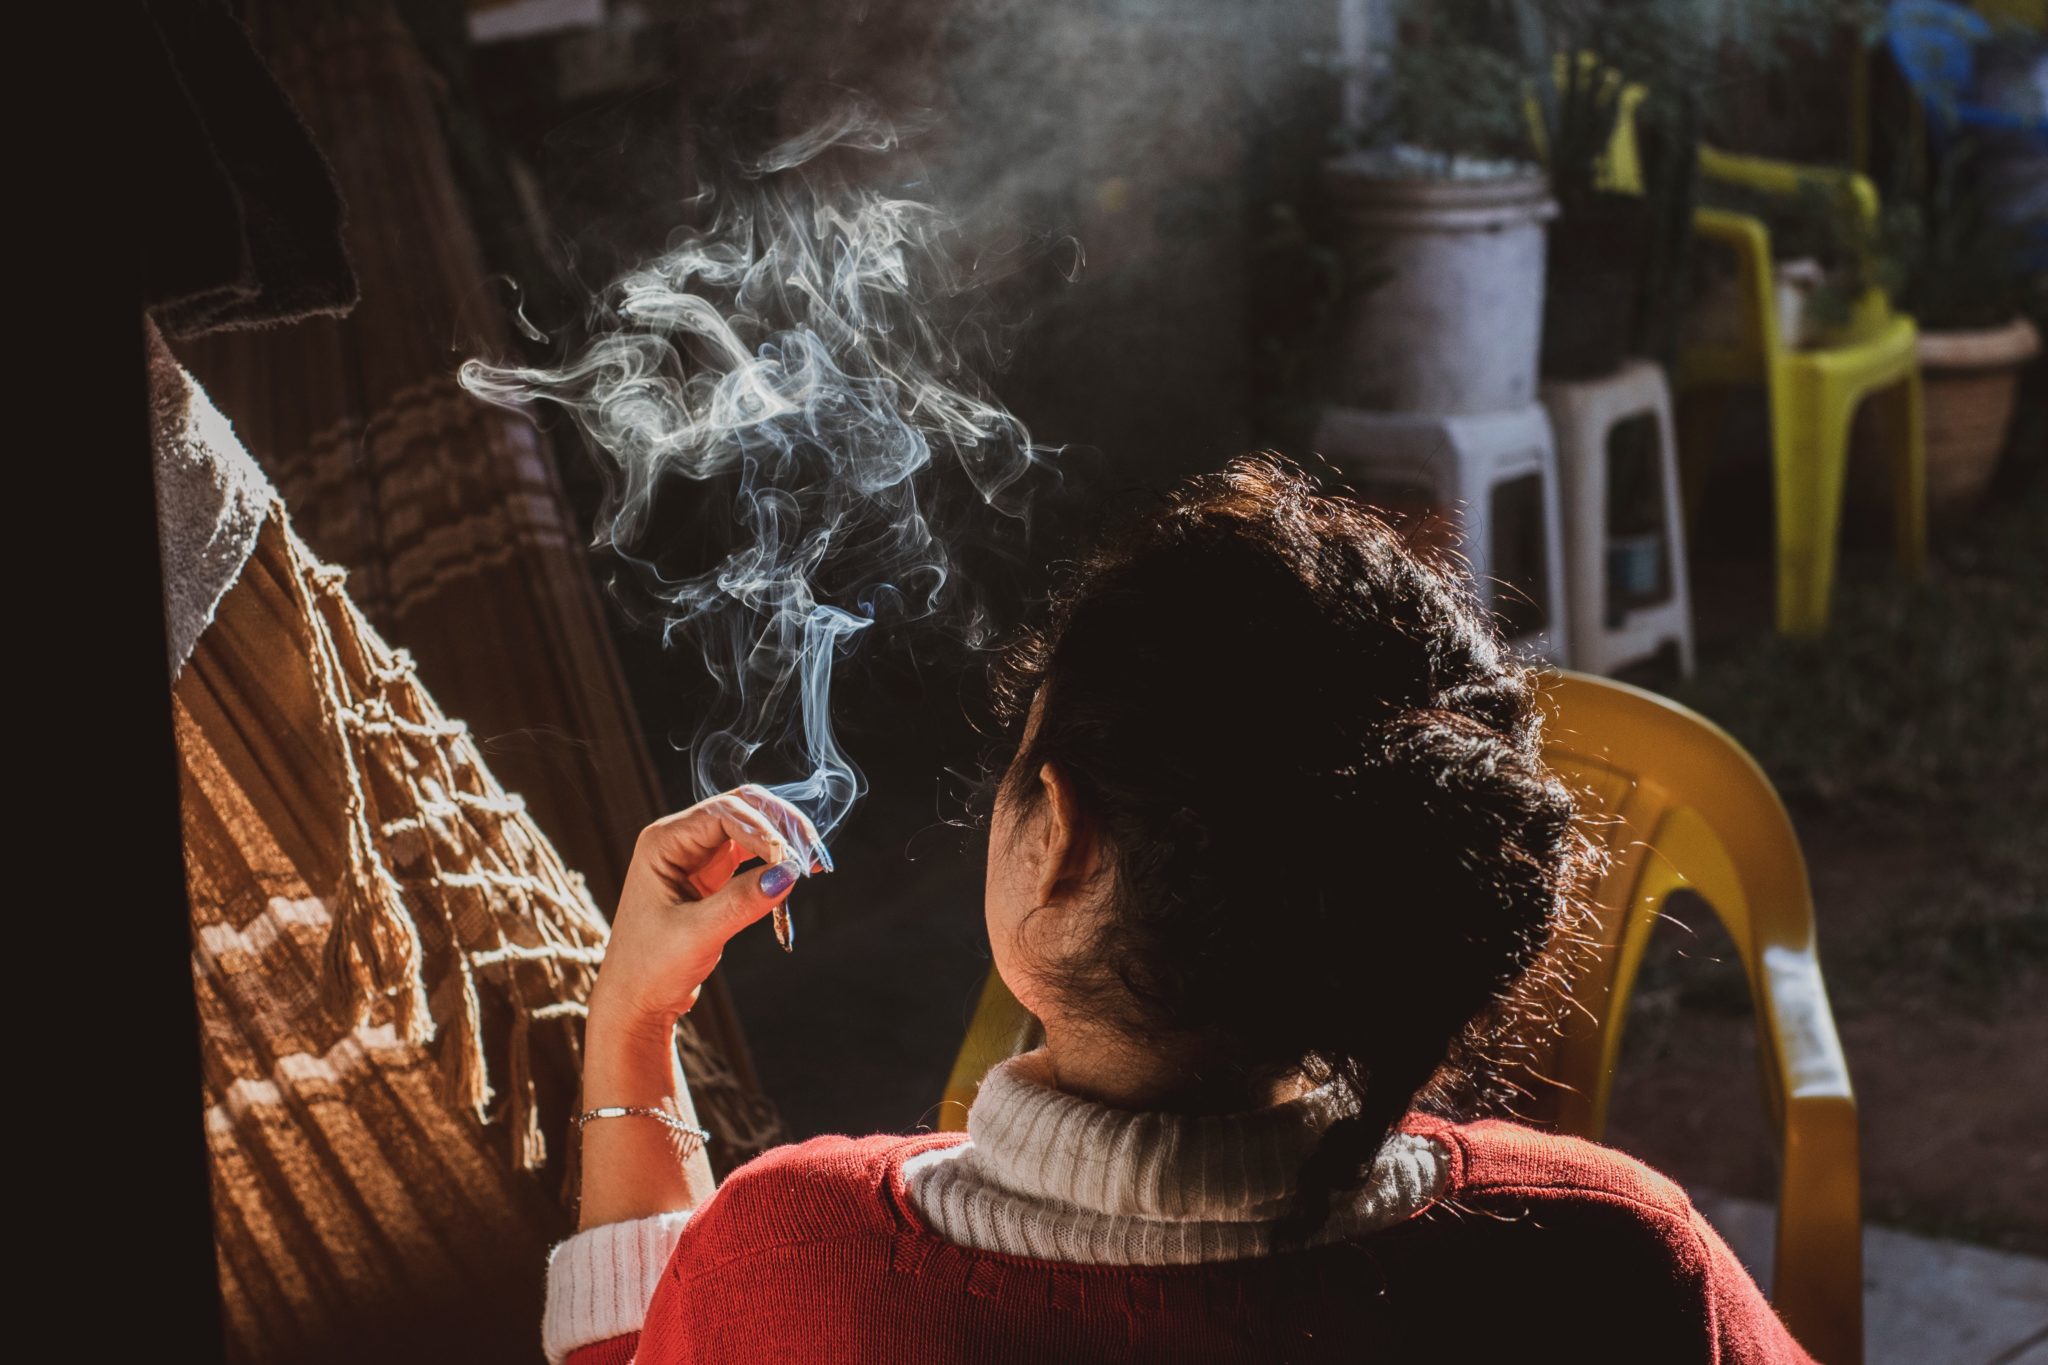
x=1458, y=463
x=1585, y=415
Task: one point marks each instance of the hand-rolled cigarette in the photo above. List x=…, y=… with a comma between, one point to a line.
x=785, y=927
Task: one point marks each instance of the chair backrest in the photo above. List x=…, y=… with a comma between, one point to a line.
x=1000, y=1028
x=1746, y=360
x=1679, y=804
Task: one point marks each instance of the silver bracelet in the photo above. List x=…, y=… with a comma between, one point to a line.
x=621, y=1111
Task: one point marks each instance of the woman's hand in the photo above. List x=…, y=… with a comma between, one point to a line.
x=681, y=902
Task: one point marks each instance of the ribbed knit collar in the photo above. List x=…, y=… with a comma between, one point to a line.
x=1049, y=1145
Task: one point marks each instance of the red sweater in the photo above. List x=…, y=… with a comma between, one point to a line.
x=1539, y=1247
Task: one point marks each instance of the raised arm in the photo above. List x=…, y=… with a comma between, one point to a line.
x=643, y=1171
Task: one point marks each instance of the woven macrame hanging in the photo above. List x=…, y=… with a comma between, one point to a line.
x=445, y=511
x=390, y=960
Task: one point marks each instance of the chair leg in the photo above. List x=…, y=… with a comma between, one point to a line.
x=1810, y=450
x=1909, y=473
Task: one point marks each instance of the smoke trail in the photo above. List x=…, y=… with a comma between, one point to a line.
x=805, y=350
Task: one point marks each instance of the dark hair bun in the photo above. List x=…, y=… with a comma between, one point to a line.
x=1318, y=776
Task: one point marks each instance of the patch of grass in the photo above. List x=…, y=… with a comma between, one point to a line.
x=1921, y=692
x=1914, y=739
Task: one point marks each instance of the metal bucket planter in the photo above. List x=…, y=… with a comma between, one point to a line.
x=1444, y=313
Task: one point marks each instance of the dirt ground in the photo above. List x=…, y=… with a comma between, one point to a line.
x=1911, y=747
x=1952, y=1105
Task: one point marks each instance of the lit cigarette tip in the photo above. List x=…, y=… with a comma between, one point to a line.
x=785, y=928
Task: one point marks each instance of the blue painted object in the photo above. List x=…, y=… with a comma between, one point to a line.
x=1934, y=43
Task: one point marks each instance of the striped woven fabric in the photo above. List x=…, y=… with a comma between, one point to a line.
x=389, y=957
x=390, y=961
x=447, y=512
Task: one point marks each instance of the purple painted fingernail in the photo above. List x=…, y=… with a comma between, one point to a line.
x=779, y=878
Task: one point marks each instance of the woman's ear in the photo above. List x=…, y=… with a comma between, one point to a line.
x=1070, y=854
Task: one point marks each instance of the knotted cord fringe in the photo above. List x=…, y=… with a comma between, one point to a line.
x=432, y=842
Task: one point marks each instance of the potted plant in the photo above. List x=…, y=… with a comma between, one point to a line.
x=1964, y=283
x=1940, y=254
x=1441, y=207
x=1486, y=222
x=1618, y=247
x=1620, y=261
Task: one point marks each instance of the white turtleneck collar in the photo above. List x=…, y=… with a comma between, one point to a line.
x=1051, y=1175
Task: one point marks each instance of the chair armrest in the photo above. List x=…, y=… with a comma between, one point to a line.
x=1746, y=236
x=1788, y=178
x=1805, y=1048
x=1818, y=1284
x=1769, y=176
x=1750, y=242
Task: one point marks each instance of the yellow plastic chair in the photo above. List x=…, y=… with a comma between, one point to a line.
x=1812, y=393
x=1000, y=1028
x=1686, y=807
x=1680, y=805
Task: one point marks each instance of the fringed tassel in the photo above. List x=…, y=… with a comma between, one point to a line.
x=465, y=1079
x=529, y=1144
x=384, y=727
x=373, y=951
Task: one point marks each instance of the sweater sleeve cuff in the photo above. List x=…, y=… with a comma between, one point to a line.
x=600, y=1280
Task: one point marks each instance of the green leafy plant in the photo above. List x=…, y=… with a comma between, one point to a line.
x=1471, y=86
x=1957, y=265
x=1543, y=80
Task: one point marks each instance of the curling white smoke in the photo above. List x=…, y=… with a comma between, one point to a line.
x=803, y=352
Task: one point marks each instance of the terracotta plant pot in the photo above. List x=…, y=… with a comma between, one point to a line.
x=1969, y=379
